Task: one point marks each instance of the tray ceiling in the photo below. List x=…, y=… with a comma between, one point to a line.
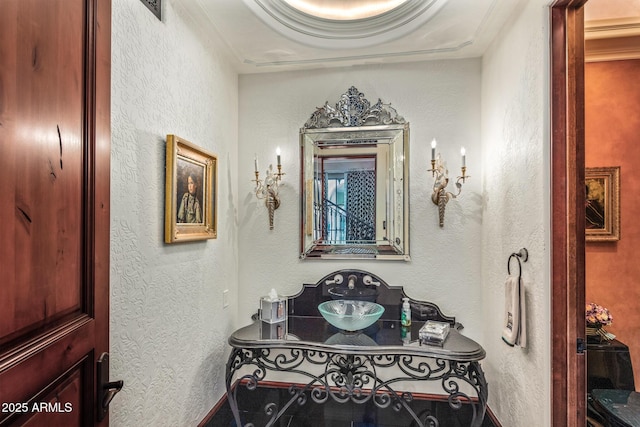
x=279, y=35
x=270, y=35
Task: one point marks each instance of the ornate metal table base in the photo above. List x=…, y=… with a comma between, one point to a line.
x=354, y=377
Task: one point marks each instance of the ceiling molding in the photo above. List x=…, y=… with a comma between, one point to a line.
x=612, y=39
x=612, y=28
x=335, y=34
x=355, y=59
x=612, y=49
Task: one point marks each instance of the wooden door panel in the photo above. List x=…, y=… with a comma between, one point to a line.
x=57, y=408
x=45, y=164
x=54, y=194
x=8, y=53
x=60, y=403
x=32, y=367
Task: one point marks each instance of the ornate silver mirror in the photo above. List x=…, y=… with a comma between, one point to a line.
x=355, y=181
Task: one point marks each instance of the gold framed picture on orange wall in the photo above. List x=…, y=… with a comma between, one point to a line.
x=602, y=214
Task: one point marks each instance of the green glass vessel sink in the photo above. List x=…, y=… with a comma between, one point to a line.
x=350, y=315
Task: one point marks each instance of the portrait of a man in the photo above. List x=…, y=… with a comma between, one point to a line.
x=602, y=204
x=595, y=203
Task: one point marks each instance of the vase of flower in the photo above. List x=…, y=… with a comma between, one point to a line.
x=596, y=317
x=592, y=332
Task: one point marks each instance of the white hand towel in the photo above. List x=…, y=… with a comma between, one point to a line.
x=514, y=329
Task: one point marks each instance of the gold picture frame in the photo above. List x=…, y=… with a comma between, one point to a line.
x=190, y=192
x=602, y=214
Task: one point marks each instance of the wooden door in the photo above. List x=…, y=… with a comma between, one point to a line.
x=54, y=208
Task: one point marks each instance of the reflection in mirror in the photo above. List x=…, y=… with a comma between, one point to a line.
x=355, y=181
x=355, y=222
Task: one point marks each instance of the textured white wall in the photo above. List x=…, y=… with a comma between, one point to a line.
x=440, y=99
x=516, y=212
x=168, y=325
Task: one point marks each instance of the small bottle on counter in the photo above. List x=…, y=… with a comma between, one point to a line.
x=405, y=334
x=405, y=317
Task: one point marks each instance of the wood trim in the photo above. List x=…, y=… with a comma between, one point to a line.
x=612, y=39
x=612, y=49
x=492, y=417
x=99, y=19
x=286, y=385
x=558, y=220
x=212, y=413
x=568, y=389
x=612, y=28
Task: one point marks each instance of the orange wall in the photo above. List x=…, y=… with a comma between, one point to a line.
x=613, y=139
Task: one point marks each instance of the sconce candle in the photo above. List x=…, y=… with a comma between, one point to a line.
x=278, y=155
x=255, y=163
x=433, y=157
x=464, y=157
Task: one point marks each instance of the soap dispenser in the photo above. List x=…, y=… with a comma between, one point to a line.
x=405, y=318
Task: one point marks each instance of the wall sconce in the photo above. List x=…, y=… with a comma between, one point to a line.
x=440, y=195
x=268, y=189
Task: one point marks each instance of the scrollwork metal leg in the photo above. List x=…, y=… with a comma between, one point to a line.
x=235, y=358
x=470, y=373
x=476, y=375
x=355, y=378
x=262, y=361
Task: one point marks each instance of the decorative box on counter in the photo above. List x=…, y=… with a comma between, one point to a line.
x=433, y=332
x=273, y=308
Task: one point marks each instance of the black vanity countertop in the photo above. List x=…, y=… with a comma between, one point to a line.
x=385, y=337
x=624, y=405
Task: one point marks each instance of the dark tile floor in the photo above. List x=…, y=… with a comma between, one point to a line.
x=333, y=414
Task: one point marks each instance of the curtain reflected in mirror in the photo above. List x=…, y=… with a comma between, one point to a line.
x=345, y=207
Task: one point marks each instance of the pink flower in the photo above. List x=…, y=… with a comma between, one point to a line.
x=596, y=314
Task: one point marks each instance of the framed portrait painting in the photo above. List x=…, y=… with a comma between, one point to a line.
x=190, y=192
x=602, y=187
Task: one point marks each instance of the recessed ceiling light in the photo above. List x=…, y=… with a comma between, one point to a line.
x=341, y=10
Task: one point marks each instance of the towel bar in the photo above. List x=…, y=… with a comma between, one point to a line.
x=521, y=254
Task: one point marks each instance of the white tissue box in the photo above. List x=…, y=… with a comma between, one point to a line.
x=273, y=310
x=434, y=332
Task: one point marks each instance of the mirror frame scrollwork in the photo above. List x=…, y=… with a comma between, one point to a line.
x=356, y=130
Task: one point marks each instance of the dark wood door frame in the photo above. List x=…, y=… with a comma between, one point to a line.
x=568, y=389
x=100, y=176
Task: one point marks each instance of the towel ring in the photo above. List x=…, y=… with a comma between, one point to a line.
x=521, y=254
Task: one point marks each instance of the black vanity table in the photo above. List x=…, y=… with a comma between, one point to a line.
x=350, y=366
x=621, y=408
x=611, y=396
x=608, y=365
